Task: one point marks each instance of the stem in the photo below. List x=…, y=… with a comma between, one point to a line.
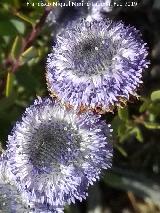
x=35, y=31
x=31, y=37
x=13, y=64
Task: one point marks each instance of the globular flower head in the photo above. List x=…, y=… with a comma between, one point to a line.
x=56, y=154
x=96, y=64
x=15, y=199
x=11, y=200
x=61, y=14
x=97, y=9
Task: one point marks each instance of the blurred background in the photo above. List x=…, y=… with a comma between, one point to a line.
x=26, y=37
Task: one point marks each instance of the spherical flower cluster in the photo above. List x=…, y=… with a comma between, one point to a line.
x=11, y=199
x=55, y=154
x=63, y=13
x=96, y=64
x=97, y=9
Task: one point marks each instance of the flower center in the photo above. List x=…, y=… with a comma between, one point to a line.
x=54, y=144
x=93, y=56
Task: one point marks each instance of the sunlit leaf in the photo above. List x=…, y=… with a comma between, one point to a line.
x=144, y=106
x=140, y=185
x=9, y=84
x=122, y=130
x=29, y=54
x=123, y=113
x=138, y=134
x=19, y=25
x=155, y=95
x=25, y=18
x=121, y=150
x=7, y=28
x=150, y=125
x=16, y=47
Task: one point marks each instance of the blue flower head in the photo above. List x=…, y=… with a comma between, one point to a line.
x=96, y=64
x=56, y=154
x=11, y=199
x=98, y=8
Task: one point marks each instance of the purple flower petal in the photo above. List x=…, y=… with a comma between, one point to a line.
x=95, y=64
x=56, y=154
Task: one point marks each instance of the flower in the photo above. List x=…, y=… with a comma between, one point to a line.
x=97, y=9
x=62, y=13
x=13, y=199
x=96, y=64
x=56, y=154
x=10, y=200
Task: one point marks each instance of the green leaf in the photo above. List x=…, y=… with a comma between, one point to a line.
x=16, y=47
x=29, y=54
x=138, y=184
x=19, y=25
x=25, y=18
x=26, y=80
x=7, y=28
x=122, y=130
x=144, y=106
x=5, y=103
x=150, y=125
x=154, y=108
x=155, y=95
x=138, y=134
x=123, y=113
x=116, y=123
x=11, y=27
x=6, y=39
x=121, y=150
x=9, y=84
x=128, y=133
x=151, y=117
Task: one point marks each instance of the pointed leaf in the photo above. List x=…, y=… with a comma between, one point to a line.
x=123, y=113
x=25, y=18
x=29, y=54
x=155, y=95
x=19, y=25
x=9, y=84
x=16, y=47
